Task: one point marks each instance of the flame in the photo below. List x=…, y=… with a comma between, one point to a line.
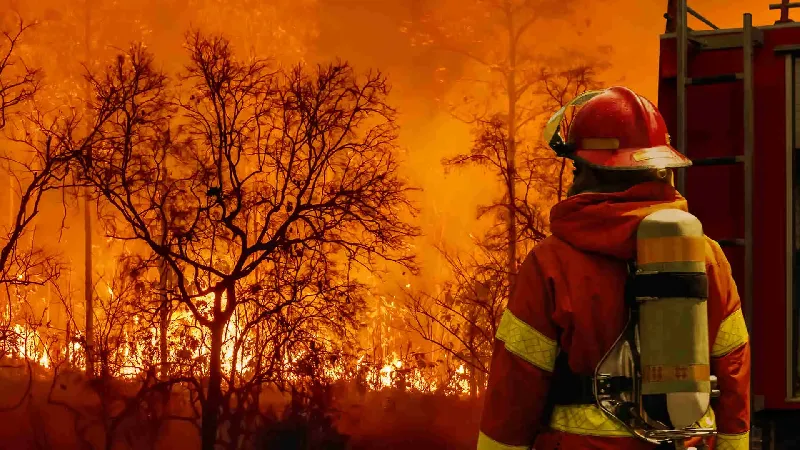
x=394, y=372
x=188, y=347
x=30, y=346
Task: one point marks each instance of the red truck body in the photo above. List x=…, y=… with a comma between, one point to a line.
x=715, y=121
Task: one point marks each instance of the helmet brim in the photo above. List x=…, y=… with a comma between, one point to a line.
x=659, y=157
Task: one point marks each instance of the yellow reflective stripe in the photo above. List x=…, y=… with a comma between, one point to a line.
x=526, y=342
x=732, y=334
x=733, y=441
x=600, y=144
x=709, y=420
x=586, y=420
x=589, y=420
x=487, y=443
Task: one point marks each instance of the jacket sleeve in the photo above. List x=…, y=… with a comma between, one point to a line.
x=522, y=363
x=730, y=357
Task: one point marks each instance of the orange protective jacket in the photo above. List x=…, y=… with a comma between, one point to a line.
x=569, y=296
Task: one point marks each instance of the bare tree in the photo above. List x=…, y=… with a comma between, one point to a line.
x=31, y=177
x=38, y=159
x=489, y=149
x=294, y=330
x=542, y=177
x=462, y=320
x=247, y=164
x=499, y=36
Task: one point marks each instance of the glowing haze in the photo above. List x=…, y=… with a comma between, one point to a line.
x=369, y=34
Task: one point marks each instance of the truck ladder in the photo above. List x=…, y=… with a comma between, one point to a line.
x=749, y=35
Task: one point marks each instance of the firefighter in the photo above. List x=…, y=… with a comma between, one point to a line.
x=567, y=302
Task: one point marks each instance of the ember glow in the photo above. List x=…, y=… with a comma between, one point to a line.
x=28, y=344
x=189, y=350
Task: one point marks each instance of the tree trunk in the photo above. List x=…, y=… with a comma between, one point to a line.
x=473, y=382
x=236, y=423
x=164, y=323
x=68, y=341
x=164, y=285
x=481, y=383
x=511, y=155
x=214, y=395
x=88, y=285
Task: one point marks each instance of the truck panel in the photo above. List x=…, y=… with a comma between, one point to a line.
x=716, y=193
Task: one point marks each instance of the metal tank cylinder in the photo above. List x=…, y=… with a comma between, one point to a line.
x=671, y=288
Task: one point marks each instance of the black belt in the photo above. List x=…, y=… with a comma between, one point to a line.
x=569, y=388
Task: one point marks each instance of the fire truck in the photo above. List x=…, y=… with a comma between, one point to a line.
x=731, y=100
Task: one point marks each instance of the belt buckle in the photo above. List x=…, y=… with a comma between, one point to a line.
x=603, y=385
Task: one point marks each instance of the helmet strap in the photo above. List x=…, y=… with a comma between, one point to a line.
x=562, y=149
x=550, y=133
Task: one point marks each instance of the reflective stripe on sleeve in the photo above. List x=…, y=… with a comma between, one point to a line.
x=526, y=342
x=732, y=334
x=733, y=441
x=487, y=443
x=586, y=420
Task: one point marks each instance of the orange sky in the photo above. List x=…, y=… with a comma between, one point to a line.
x=630, y=27
x=366, y=33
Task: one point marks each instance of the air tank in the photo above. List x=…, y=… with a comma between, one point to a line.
x=671, y=288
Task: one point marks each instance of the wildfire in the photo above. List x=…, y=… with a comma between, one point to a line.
x=189, y=347
x=387, y=371
x=29, y=345
x=394, y=373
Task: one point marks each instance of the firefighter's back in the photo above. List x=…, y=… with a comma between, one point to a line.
x=590, y=313
x=568, y=306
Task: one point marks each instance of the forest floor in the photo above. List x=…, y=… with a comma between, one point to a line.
x=64, y=416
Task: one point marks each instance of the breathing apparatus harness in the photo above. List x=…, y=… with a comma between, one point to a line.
x=619, y=395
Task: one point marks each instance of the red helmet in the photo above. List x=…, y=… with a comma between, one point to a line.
x=615, y=129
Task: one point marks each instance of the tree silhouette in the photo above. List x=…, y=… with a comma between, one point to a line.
x=542, y=178
x=242, y=167
x=499, y=38
x=30, y=174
